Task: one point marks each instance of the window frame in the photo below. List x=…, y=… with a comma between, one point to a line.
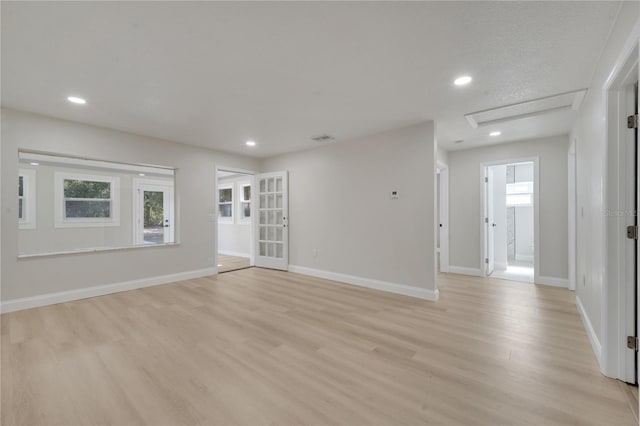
x=28, y=219
x=221, y=219
x=61, y=221
x=241, y=201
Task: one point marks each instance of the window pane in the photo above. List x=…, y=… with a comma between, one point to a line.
x=20, y=202
x=271, y=185
x=279, y=201
x=246, y=209
x=226, y=195
x=272, y=201
x=520, y=188
x=246, y=193
x=20, y=186
x=263, y=233
x=279, y=185
x=225, y=210
x=75, y=208
x=153, y=208
x=86, y=189
x=279, y=250
x=263, y=249
x=263, y=218
x=263, y=185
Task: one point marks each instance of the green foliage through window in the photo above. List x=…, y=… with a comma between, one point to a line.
x=87, y=189
x=153, y=208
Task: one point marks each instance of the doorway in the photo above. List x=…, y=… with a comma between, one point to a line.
x=235, y=242
x=510, y=219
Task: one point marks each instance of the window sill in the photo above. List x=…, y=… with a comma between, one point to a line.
x=93, y=250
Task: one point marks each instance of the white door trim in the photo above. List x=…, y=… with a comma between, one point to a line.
x=616, y=318
x=251, y=176
x=444, y=217
x=536, y=211
x=572, y=211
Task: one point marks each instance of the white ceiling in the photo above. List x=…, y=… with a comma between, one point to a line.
x=216, y=74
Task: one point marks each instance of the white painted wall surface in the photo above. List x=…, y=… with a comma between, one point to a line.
x=342, y=218
x=194, y=194
x=235, y=238
x=500, y=215
x=465, y=204
x=524, y=234
x=592, y=154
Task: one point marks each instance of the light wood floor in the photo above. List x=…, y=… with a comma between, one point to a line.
x=231, y=263
x=264, y=347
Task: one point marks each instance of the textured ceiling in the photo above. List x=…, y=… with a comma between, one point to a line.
x=216, y=74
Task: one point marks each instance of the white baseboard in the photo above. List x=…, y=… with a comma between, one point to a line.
x=403, y=289
x=83, y=293
x=553, y=281
x=591, y=333
x=476, y=272
x=234, y=253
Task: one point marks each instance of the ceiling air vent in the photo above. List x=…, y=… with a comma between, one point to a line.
x=548, y=104
x=323, y=138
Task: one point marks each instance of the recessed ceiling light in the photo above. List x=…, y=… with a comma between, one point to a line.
x=459, y=141
x=461, y=81
x=76, y=100
x=140, y=174
x=34, y=164
x=250, y=143
x=495, y=133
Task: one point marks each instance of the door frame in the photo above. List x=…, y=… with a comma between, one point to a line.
x=444, y=216
x=536, y=211
x=572, y=211
x=136, y=212
x=617, y=320
x=214, y=216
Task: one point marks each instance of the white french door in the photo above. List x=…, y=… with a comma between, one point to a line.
x=153, y=212
x=271, y=221
x=490, y=223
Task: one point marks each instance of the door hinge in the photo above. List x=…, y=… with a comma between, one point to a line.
x=632, y=232
x=632, y=343
x=486, y=180
x=486, y=220
x=486, y=260
x=632, y=121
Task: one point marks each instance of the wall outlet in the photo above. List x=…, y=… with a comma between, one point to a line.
x=394, y=195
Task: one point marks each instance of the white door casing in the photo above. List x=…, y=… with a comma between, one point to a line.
x=490, y=222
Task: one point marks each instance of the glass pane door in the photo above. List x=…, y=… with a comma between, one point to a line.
x=272, y=232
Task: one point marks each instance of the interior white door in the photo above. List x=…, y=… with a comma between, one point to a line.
x=272, y=219
x=153, y=212
x=490, y=222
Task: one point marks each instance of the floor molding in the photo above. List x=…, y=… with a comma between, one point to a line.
x=406, y=290
x=552, y=281
x=234, y=253
x=591, y=333
x=465, y=271
x=83, y=293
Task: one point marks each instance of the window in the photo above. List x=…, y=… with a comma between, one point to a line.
x=225, y=204
x=86, y=200
x=245, y=202
x=27, y=199
x=520, y=194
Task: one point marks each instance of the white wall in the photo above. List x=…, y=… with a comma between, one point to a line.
x=235, y=238
x=595, y=187
x=524, y=234
x=342, y=219
x=500, y=215
x=465, y=201
x=195, y=231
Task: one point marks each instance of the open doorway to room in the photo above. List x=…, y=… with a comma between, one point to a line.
x=510, y=220
x=235, y=240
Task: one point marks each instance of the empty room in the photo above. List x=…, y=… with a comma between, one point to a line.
x=319, y=213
